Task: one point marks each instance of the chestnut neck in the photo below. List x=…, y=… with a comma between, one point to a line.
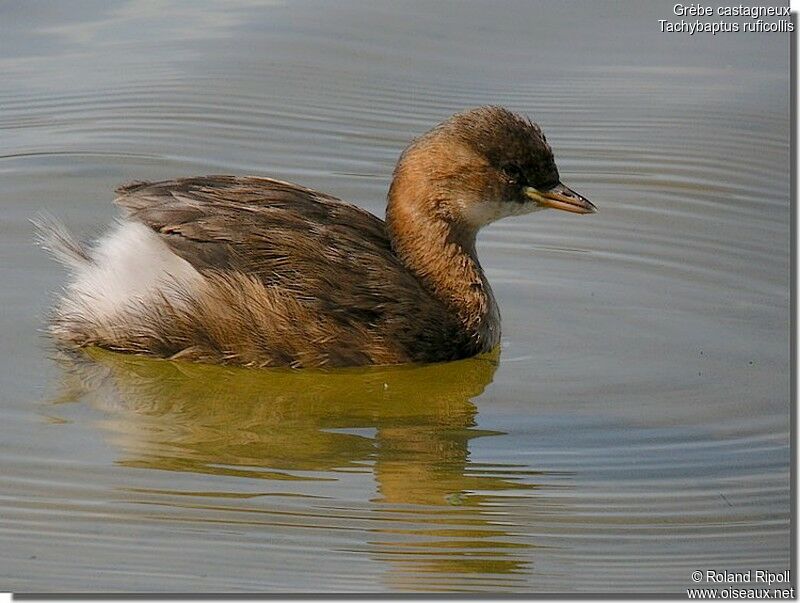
x=440, y=251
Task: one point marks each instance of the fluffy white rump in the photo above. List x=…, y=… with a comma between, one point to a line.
x=127, y=269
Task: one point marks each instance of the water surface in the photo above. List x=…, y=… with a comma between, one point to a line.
x=635, y=426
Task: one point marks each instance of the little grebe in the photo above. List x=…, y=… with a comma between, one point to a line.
x=259, y=272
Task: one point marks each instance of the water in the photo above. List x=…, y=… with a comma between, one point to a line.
x=636, y=424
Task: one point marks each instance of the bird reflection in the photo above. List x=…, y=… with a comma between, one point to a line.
x=410, y=425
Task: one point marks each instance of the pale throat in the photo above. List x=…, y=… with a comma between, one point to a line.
x=479, y=214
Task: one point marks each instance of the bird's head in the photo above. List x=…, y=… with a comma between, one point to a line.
x=477, y=167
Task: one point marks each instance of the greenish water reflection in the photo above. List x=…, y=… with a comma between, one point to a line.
x=412, y=425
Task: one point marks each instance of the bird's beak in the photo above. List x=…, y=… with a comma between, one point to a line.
x=561, y=197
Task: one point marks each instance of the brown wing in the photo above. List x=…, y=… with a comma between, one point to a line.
x=278, y=231
x=328, y=258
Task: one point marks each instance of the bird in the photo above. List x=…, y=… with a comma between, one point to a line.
x=258, y=272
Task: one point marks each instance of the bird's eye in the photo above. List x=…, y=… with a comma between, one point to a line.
x=513, y=172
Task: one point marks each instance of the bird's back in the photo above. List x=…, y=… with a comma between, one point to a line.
x=253, y=271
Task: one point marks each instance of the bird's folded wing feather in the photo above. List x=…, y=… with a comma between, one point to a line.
x=330, y=254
